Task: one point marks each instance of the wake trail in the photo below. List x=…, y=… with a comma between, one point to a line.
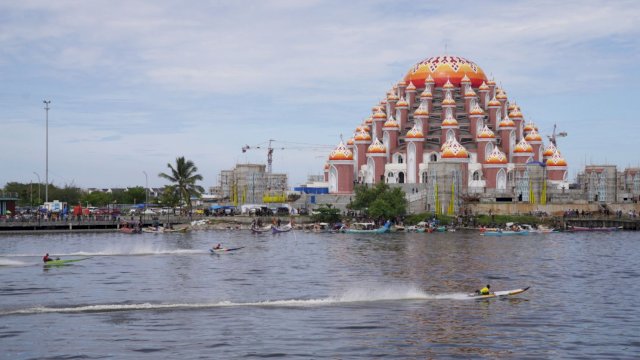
x=360, y=296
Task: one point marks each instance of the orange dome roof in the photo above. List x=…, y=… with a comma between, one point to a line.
x=375, y=109
x=501, y=95
x=496, y=157
x=362, y=136
x=523, y=147
x=529, y=127
x=448, y=100
x=469, y=92
x=411, y=87
x=449, y=121
x=429, y=80
x=486, y=133
x=426, y=94
x=515, y=113
x=491, y=82
x=443, y=68
x=484, y=87
x=415, y=133
x=448, y=85
x=376, y=147
x=506, y=122
x=533, y=136
x=379, y=115
x=512, y=106
x=422, y=110
x=556, y=160
x=494, y=102
x=454, y=150
x=369, y=120
x=401, y=83
x=350, y=141
x=465, y=79
x=402, y=103
x=341, y=153
x=391, y=124
x=476, y=110
x=361, y=128
x=549, y=150
x=391, y=96
x=326, y=166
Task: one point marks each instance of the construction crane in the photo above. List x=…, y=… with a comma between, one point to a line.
x=269, y=153
x=291, y=145
x=553, y=135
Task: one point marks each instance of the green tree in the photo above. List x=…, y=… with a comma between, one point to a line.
x=380, y=201
x=184, y=176
x=326, y=213
x=97, y=198
x=170, y=196
x=134, y=195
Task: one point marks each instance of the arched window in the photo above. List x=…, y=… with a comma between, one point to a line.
x=451, y=134
x=400, y=159
x=411, y=163
x=433, y=158
x=488, y=150
x=425, y=177
x=401, y=177
x=333, y=179
x=370, y=171
x=476, y=175
x=501, y=180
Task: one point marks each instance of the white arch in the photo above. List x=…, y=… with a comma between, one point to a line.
x=385, y=141
x=411, y=163
x=370, y=171
x=488, y=150
x=333, y=179
x=451, y=134
x=501, y=180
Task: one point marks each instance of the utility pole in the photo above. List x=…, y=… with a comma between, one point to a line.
x=146, y=189
x=39, y=182
x=46, y=174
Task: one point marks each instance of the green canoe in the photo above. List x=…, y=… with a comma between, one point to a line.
x=63, y=262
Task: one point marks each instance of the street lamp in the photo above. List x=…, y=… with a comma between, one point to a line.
x=38, y=186
x=46, y=174
x=146, y=189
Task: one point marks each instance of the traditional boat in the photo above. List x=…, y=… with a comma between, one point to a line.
x=381, y=230
x=505, y=233
x=280, y=229
x=260, y=229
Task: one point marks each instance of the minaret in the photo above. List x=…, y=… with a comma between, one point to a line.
x=495, y=170
x=469, y=97
x=376, y=156
x=448, y=105
x=522, y=152
x=390, y=136
x=492, y=88
x=402, y=85
x=484, y=95
x=361, y=141
x=415, y=150
x=429, y=83
x=494, y=107
x=352, y=147
x=411, y=94
x=449, y=124
x=535, y=140
x=517, y=118
x=341, y=170
x=326, y=172
x=421, y=117
x=548, y=152
x=502, y=97
x=507, y=136
x=402, y=111
x=476, y=116
x=453, y=152
x=378, y=120
x=465, y=85
x=556, y=167
x=426, y=97
x=486, y=139
x=392, y=99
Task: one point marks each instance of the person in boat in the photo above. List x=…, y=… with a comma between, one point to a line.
x=485, y=290
x=46, y=258
x=217, y=247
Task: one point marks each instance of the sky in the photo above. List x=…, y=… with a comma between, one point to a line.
x=135, y=84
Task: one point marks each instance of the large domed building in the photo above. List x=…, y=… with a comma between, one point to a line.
x=445, y=125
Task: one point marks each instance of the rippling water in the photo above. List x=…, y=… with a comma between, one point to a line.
x=311, y=296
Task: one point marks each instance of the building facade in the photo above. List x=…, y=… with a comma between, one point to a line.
x=250, y=183
x=450, y=130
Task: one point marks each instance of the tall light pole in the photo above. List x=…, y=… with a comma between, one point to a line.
x=146, y=189
x=46, y=174
x=38, y=186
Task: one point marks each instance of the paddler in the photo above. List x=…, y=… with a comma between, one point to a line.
x=217, y=247
x=485, y=290
x=46, y=258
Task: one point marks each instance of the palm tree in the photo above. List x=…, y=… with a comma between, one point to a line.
x=184, y=178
